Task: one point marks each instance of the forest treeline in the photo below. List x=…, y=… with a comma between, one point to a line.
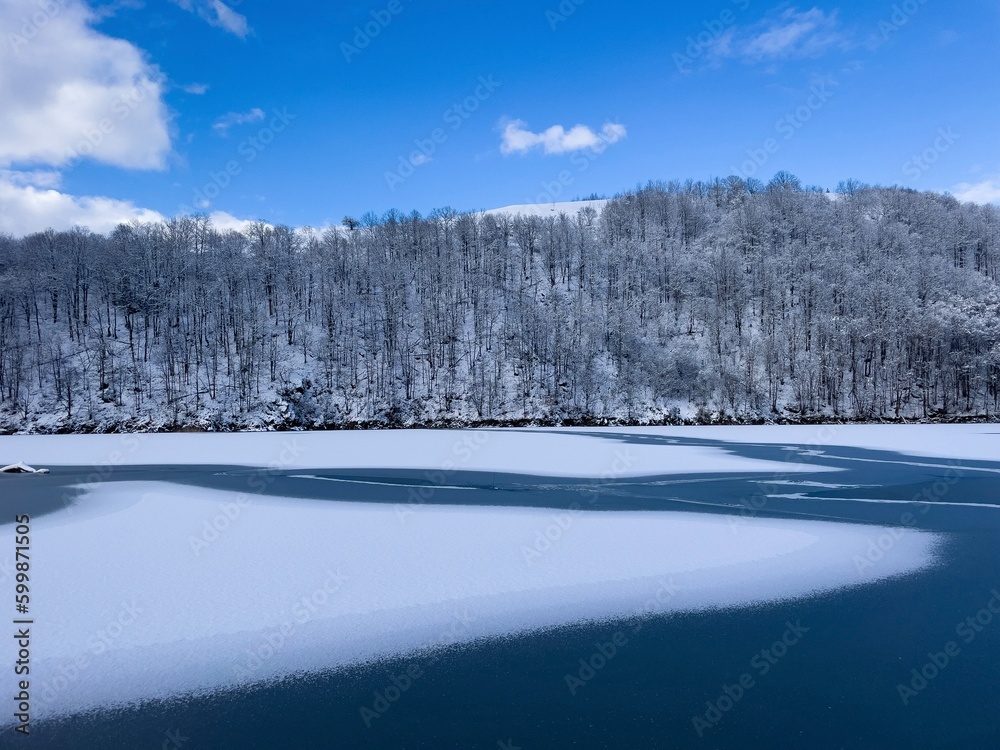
x=727, y=300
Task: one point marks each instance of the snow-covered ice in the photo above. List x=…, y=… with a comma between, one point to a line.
x=537, y=452
x=975, y=442
x=148, y=590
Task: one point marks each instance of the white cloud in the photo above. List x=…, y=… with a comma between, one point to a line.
x=789, y=34
x=195, y=88
x=987, y=191
x=41, y=178
x=25, y=208
x=227, y=121
x=110, y=9
x=230, y=20
x=223, y=222
x=29, y=204
x=69, y=92
x=218, y=14
x=517, y=139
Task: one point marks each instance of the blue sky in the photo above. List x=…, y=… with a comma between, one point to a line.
x=304, y=112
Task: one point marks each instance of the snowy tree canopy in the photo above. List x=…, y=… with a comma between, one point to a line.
x=703, y=300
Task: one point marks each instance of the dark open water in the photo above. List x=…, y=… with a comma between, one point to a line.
x=836, y=687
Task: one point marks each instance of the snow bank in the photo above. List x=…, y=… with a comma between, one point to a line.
x=150, y=590
x=21, y=468
x=570, y=208
x=539, y=452
x=974, y=442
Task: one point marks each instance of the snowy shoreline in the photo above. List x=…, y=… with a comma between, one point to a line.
x=578, y=451
x=146, y=426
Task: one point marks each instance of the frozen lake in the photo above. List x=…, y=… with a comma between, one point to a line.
x=626, y=587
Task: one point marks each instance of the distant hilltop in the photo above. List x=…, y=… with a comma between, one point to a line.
x=570, y=208
x=726, y=301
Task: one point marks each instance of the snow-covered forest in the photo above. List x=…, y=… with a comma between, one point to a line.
x=698, y=301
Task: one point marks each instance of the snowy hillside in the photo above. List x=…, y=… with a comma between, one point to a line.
x=543, y=210
x=700, y=303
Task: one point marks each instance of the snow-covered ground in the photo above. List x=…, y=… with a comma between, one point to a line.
x=974, y=442
x=529, y=452
x=540, y=451
x=570, y=208
x=150, y=590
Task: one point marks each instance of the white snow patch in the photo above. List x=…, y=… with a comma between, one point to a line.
x=537, y=452
x=21, y=468
x=922, y=503
x=126, y=609
x=346, y=480
x=972, y=442
x=818, y=485
x=570, y=208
